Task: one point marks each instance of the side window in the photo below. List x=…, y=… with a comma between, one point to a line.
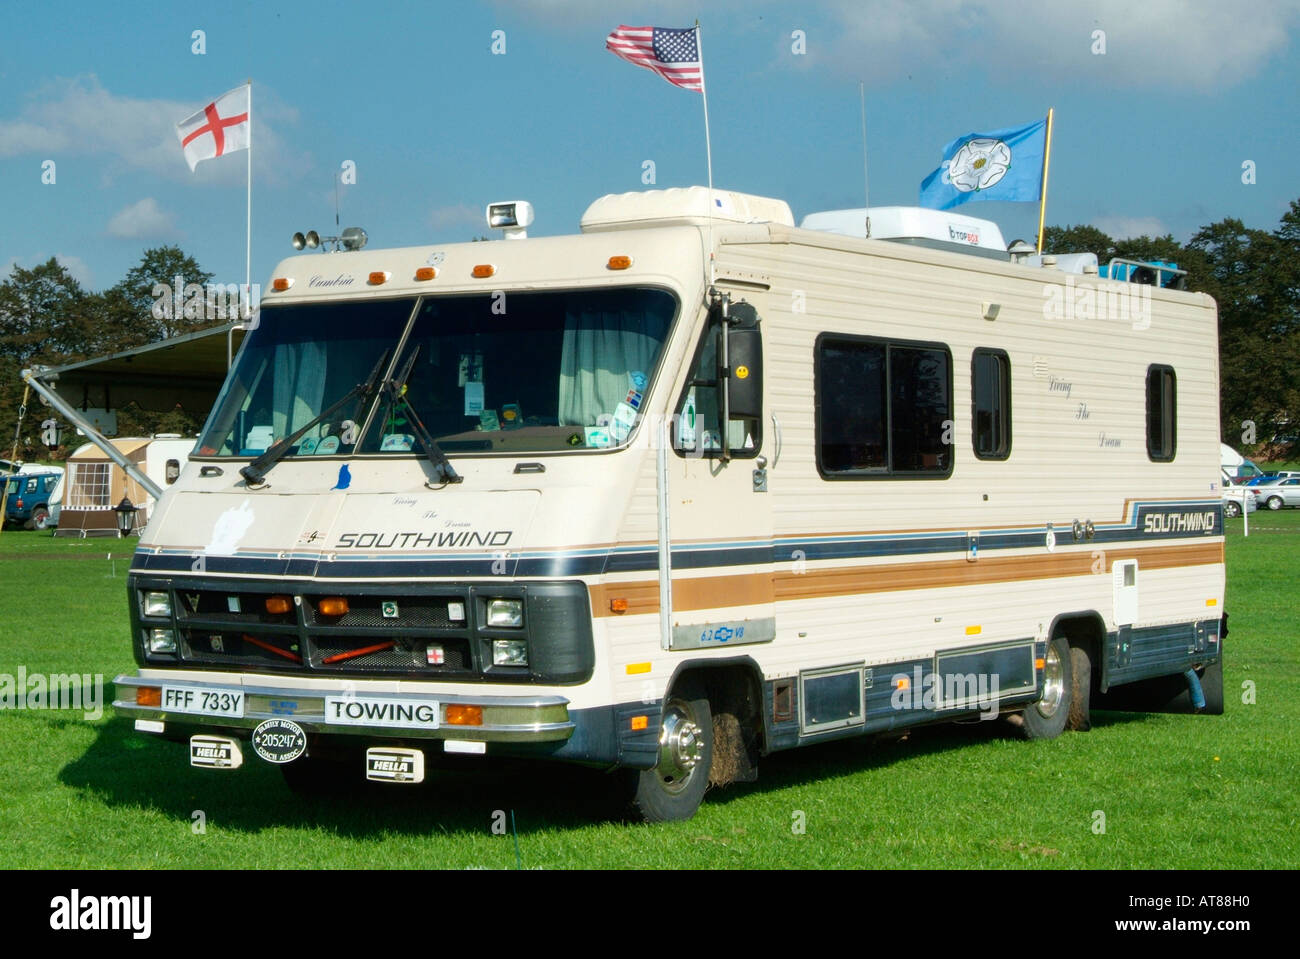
x=882, y=408
x=699, y=411
x=990, y=377
x=1162, y=413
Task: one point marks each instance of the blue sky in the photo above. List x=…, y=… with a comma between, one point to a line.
x=1150, y=136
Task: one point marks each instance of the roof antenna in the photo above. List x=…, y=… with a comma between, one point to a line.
x=866, y=183
x=337, y=177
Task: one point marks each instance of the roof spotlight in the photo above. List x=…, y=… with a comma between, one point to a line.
x=299, y=241
x=353, y=238
x=313, y=239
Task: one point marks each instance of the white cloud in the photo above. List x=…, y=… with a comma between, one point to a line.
x=141, y=220
x=78, y=116
x=1177, y=44
x=1125, y=227
x=1169, y=43
x=75, y=266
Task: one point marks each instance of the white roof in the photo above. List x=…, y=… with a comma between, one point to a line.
x=912, y=223
x=682, y=205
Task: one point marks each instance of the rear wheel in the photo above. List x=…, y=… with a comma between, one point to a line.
x=1231, y=510
x=40, y=518
x=1274, y=502
x=674, y=788
x=1046, y=718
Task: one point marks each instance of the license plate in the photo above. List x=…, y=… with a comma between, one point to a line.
x=228, y=703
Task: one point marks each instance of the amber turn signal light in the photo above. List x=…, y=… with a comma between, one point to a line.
x=148, y=696
x=333, y=606
x=278, y=605
x=458, y=715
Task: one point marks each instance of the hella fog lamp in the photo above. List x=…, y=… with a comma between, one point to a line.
x=162, y=641
x=157, y=604
x=509, y=652
x=505, y=612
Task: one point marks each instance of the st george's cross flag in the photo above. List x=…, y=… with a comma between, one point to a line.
x=672, y=53
x=221, y=127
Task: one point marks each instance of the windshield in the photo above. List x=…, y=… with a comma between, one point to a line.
x=502, y=371
x=299, y=361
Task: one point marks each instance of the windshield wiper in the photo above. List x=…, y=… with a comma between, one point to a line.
x=395, y=390
x=255, y=472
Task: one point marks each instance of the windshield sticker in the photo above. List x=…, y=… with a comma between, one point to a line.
x=639, y=380
x=345, y=478
x=473, y=398
x=598, y=437
x=633, y=399
x=624, y=418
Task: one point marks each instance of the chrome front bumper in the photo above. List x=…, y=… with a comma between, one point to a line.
x=514, y=719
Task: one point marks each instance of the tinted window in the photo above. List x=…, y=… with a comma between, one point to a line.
x=1162, y=413
x=991, y=404
x=883, y=408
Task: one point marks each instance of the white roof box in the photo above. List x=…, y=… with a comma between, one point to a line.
x=938, y=229
x=683, y=205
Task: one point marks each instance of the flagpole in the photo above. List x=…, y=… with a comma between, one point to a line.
x=248, y=219
x=1047, y=160
x=708, y=149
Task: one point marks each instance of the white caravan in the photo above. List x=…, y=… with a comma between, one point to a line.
x=687, y=488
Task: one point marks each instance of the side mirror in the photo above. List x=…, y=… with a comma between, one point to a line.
x=745, y=384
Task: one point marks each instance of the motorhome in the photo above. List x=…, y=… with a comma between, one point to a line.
x=687, y=488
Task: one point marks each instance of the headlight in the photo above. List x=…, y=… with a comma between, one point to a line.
x=505, y=613
x=509, y=652
x=161, y=640
x=157, y=604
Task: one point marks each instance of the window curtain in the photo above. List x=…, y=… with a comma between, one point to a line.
x=601, y=350
x=299, y=385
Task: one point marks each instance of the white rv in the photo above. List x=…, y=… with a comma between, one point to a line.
x=690, y=487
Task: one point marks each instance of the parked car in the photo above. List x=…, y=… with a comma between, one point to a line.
x=1237, y=496
x=1279, y=492
x=10, y=466
x=32, y=496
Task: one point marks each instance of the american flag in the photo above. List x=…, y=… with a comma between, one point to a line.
x=673, y=54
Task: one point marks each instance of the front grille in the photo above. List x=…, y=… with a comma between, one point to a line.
x=406, y=630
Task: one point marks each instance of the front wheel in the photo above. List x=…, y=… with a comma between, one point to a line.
x=1046, y=718
x=674, y=788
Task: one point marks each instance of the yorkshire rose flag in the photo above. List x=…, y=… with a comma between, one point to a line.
x=219, y=128
x=1001, y=165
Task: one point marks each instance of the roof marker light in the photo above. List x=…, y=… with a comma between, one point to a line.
x=379, y=277
x=426, y=273
x=281, y=283
x=483, y=270
x=619, y=262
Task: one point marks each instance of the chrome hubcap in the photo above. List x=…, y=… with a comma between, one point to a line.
x=680, y=749
x=1053, y=684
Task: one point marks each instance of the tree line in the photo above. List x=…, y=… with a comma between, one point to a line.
x=48, y=319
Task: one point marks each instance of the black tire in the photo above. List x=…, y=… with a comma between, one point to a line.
x=1046, y=718
x=1231, y=510
x=1274, y=502
x=672, y=792
x=40, y=518
x=1079, y=718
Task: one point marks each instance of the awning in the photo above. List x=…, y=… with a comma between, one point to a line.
x=187, y=370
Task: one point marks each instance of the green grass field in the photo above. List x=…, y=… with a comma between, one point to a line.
x=1175, y=790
